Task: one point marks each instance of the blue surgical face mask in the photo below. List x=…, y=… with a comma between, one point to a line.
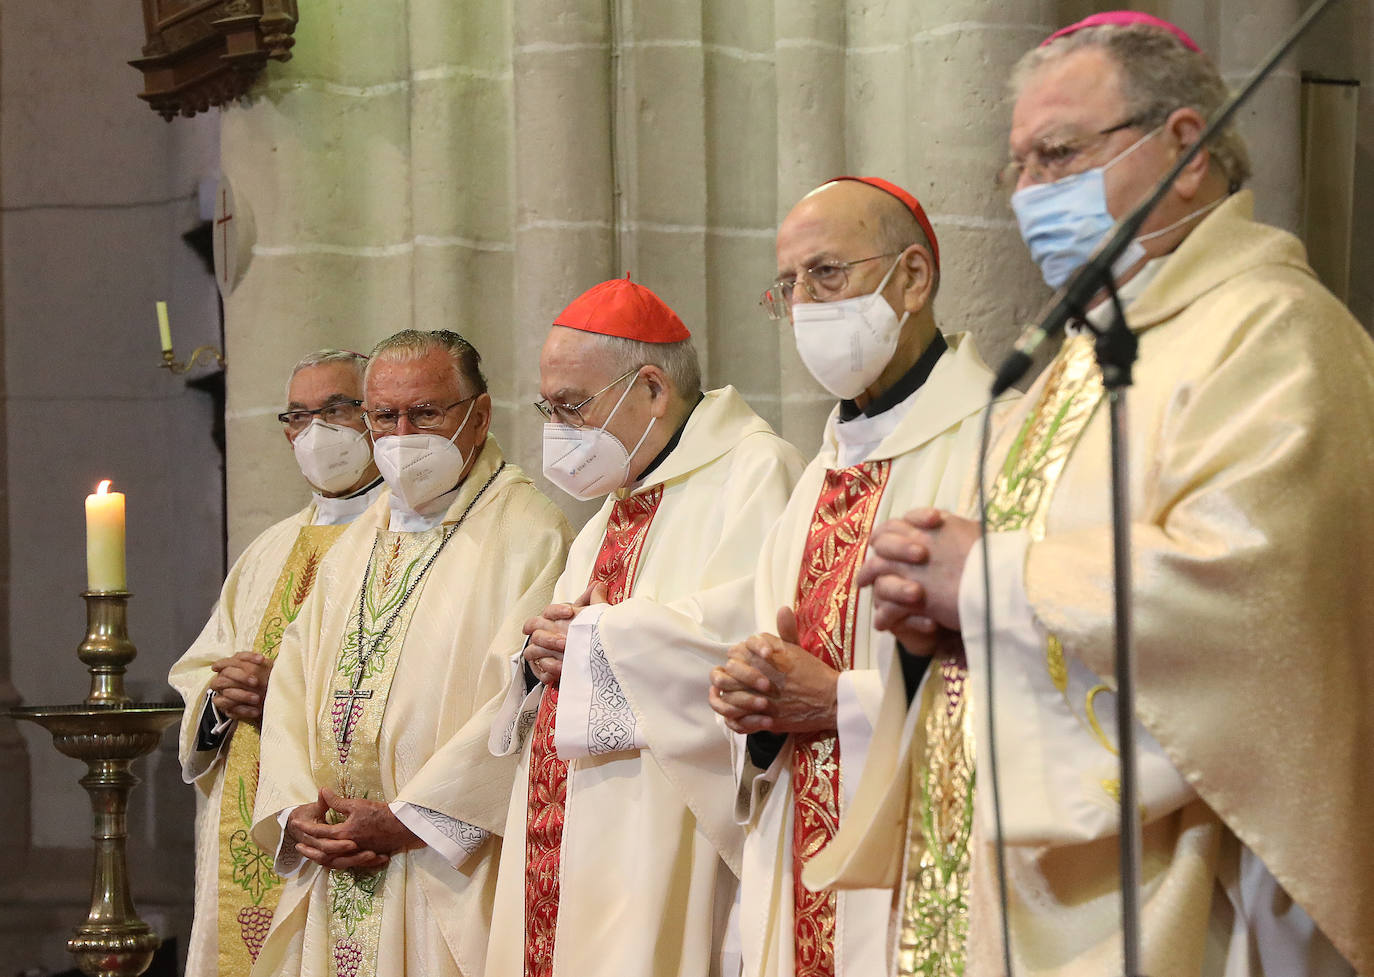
x=1063, y=222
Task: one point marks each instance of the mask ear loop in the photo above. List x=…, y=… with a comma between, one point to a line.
x=877, y=294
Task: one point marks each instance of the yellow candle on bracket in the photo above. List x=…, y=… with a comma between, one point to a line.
x=105, y=539
x=164, y=328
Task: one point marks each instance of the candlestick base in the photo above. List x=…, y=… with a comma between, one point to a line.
x=113, y=941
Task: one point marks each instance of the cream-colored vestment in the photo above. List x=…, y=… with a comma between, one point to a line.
x=1252, y=501
x=650, y=852
x=931, y=443
x=424, y=738
x=231, y=629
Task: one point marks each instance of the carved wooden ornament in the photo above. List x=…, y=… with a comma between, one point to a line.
x=207, y=52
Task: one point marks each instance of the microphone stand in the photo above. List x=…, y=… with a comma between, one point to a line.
x=1116, y=348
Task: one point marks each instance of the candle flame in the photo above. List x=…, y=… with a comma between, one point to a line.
x=103, y=487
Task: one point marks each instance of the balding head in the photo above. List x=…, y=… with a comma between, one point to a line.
x=846, y=220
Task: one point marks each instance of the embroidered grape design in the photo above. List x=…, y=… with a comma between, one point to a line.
x=254, y=922
x=348, y=957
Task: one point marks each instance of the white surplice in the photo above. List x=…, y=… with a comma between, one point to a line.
x=649, y=850
x=932, y=442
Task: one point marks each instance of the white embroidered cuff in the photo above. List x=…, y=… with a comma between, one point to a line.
x=515, y=718
x=858, y=698
x=454, y=839
x=288, y=862
x=594, y=716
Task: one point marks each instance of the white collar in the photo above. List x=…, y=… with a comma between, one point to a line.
x=858, y=437
x=426, y=517
x=1100, y=314
x=337, y=511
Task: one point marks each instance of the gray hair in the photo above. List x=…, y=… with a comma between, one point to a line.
x=898, y=230
x=1158, y=76
x=411, y=344
x=321, y=357
x=677, y=360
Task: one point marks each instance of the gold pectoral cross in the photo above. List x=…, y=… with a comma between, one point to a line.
x=352, y=695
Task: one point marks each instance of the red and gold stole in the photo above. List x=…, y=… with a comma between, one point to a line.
x=827, y=618
x=616, y=566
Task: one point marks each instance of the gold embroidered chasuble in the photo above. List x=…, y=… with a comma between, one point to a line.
x=1251, y=512
x=235, y=625
x=248, y=886
x=934, y=889
x=396, y=714
x=930, y=457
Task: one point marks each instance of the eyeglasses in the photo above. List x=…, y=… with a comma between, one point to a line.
x=822, y=282
x=571, y=414
x=1054, y=159
x=341, y=412
x=422, y=417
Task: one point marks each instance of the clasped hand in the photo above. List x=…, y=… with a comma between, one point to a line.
x=366, y=838
x=548, y=634
x=240, y=685
x=913, y=565
x=769, y=682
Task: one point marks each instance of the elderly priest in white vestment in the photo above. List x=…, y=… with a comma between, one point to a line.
x=621, y=852
x=378, y=793
x=858, y=268
x=224, y=675
x=1252, y=528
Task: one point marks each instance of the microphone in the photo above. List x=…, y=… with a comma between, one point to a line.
x=1096, y=273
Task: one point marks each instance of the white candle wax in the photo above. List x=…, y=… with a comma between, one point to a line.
x=164, y=328
x=105, y=539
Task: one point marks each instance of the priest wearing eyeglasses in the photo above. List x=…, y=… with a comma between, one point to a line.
x=858, y=269
x=621, y=851
x=223, y=677
x=379, y=796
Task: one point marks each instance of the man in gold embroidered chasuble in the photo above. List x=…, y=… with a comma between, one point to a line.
x=858, y=267
x=224, y=675
x=378, y=794
x=1252, y=530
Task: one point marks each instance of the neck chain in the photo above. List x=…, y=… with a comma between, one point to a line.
x=365, y=656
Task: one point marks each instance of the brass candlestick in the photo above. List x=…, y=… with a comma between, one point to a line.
x=169, y=360
x=108, y=731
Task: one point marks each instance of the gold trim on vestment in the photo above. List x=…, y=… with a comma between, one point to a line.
x=933, y=923
x=363, y=672
x=248, y=888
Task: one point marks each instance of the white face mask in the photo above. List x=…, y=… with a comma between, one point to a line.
x=332, y=458
x=419, y=468
x=846, y=344
x=587, y=462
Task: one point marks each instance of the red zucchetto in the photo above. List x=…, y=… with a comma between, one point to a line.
x=911, y=203
x=622, y=308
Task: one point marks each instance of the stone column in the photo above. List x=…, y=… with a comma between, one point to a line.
x=928, y=107
x=564, y=206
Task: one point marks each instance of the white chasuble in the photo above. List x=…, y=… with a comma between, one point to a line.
x=1250, y=516
x=646, y=860
x=234, y=626
x=379, y=693
x=793, y=809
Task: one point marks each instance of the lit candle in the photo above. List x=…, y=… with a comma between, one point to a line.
x=105, y=539
x=164, y=328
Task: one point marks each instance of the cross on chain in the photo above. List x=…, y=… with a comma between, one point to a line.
x=352, y=695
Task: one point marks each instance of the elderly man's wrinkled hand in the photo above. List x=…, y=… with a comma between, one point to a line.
x=240, y=685
x=771, y=683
